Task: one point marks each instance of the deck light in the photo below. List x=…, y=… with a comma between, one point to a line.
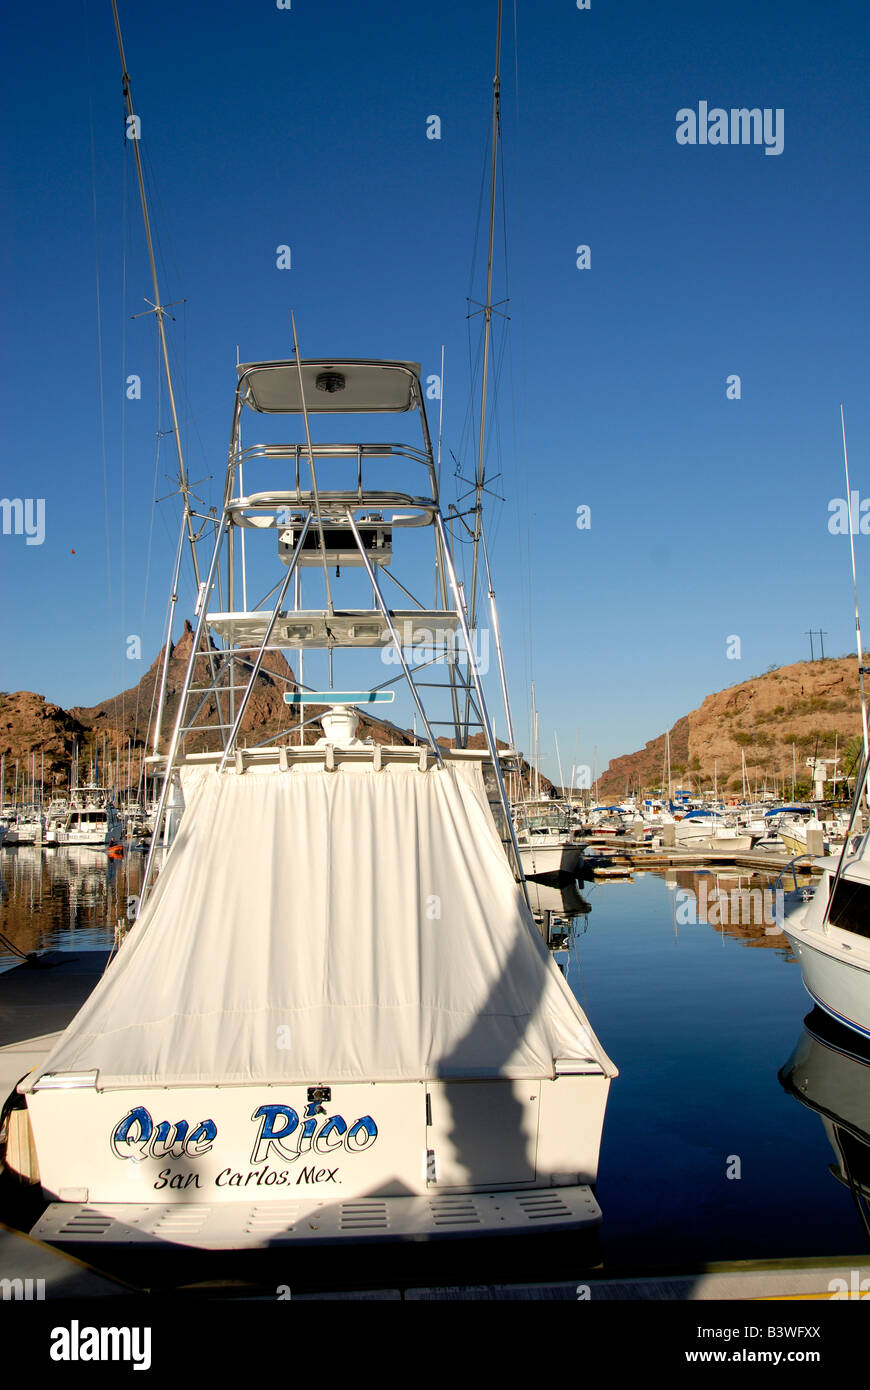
x=330, y=382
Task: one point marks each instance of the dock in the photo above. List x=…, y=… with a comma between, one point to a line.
x=38, y=999
x=628, y=855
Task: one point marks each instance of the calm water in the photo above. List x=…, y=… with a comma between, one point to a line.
x=698, y=1018
x=68, y=899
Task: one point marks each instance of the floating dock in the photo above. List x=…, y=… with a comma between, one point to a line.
x=637, y=854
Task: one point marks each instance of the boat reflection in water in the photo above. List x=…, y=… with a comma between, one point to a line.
x=829, y=1072
x=70, y=898
x=556, y=908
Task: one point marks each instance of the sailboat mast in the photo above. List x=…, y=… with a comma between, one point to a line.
x=157, y=306
x=559, y=765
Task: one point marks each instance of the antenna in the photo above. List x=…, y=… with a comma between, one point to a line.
x=861, y=667
x=440, y=419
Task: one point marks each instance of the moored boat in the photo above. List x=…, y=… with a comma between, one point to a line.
x=547, y=838
x=91, y=818
x=830, y=935
x=335, y=984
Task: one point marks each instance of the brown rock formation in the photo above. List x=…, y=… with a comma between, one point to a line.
x=813, y=705
x=30, y=725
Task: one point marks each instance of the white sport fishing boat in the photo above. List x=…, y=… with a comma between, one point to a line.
x=830, y=934
x=335, y=1018
x=548, y=838
x=91, y=818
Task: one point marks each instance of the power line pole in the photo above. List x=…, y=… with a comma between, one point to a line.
x=822, y=636
x=811, y=634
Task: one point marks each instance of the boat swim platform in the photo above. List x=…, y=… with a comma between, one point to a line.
x=38, y=1272
x=250, y=1225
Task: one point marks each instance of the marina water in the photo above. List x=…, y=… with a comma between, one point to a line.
x=705, y=1156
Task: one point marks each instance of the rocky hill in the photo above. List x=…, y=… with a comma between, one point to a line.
x=31, y=728
x=812, y=707
x=116, y=729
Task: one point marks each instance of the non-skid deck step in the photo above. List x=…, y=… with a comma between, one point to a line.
x=247, y=1225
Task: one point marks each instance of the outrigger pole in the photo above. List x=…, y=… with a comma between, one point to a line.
x=158, y=307
x=487, y=323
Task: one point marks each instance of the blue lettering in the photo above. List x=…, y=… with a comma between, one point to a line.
x=324, y=1142
x=137, y=1132
x=138, y=1116
x=201, y=1139
x=269, y=1136
x=361, y=1134
x=175, y=1148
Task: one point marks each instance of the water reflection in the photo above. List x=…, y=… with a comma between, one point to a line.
x=63, y=898
x=557, y=906
x=743, y=906
x=829, y=1072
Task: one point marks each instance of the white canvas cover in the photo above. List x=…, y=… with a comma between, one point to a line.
x=323, y=926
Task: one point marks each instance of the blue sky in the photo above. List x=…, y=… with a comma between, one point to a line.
x=307, y=127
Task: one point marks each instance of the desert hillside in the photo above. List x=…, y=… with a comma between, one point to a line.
x=812, y=707
x=42, y=738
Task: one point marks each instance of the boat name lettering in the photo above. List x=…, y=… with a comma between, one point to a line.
x=269, y=1177
x=166, y=1178
x=280, y=1129
x=136, y=1136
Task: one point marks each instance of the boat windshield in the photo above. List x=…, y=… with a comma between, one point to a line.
x=544, y=820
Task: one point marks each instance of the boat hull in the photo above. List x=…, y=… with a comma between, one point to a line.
x=839, y=986
x=379, y=1139
x=705, y=840
x=550, y=859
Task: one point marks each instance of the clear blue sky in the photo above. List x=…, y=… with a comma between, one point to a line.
x=308, y=127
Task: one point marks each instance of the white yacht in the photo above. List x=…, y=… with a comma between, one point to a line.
x=25, y=827
x=708, y=830
x=91, y=818
x=547, y=838
x=793, y=824
x=830, y=935
x=335, y=1018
